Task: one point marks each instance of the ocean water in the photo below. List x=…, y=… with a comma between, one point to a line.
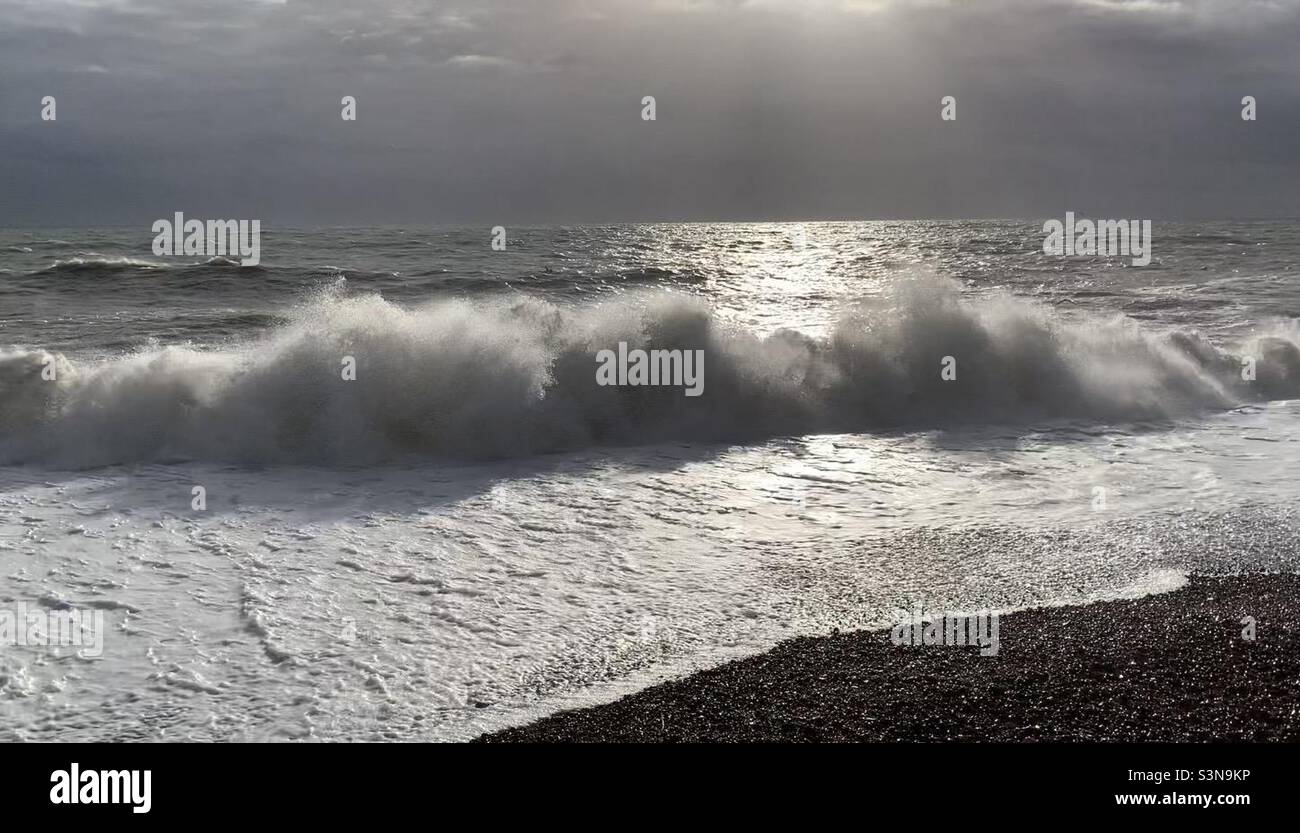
x=473, y=532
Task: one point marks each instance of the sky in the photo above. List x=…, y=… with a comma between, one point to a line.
x=530, y=111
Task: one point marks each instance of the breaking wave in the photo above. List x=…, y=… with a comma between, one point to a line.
x=516, y=376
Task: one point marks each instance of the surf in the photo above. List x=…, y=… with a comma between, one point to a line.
x=515, y=376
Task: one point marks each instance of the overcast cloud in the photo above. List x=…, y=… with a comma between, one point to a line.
x=514, y=112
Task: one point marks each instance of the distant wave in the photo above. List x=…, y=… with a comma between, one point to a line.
x=516, y=376
x=99, y=263
x=53, y=241
x=107, y=265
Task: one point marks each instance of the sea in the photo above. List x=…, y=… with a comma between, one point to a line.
x=370, y=488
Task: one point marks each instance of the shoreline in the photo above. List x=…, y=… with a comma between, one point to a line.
x=1171, y=667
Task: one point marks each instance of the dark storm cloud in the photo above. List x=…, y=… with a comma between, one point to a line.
x=506, y=112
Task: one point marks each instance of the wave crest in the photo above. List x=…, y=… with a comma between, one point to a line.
x=511, y=377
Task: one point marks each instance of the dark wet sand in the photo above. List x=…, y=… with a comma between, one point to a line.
x=1171, y=667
